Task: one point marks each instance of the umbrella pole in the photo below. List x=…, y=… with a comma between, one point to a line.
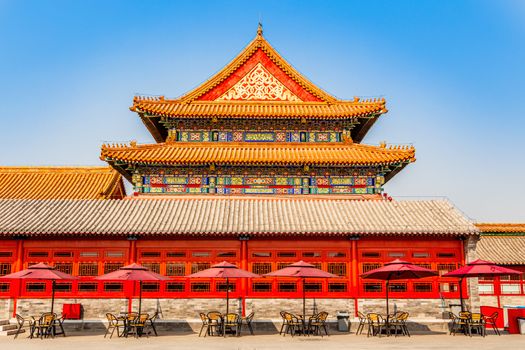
x=304, y=301
x=461, y=293
x=52, y=295
x=140, y=297
x=227, y=296
x=387, y=311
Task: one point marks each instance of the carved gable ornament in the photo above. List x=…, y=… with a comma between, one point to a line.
x=259, y=85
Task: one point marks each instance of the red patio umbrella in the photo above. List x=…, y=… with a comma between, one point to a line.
x=42, y=271
x=302, y=270
x=133, y=272
x=397, y=270
x=224, y=270
x=479, y=268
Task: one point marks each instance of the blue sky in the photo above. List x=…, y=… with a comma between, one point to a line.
x=452, y=73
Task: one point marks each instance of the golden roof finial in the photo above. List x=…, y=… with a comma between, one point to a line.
x=259, y=29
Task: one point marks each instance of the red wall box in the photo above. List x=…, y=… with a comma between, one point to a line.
x=72, y=311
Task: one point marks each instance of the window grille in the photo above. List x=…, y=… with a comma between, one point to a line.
x=63, y=254
x=370, y=266
x=372, y=287
x=63, y=287
x=89, y=254
x=424, y=265
x=87, y=287
x=446, y=255
x=286, y=254
x=112, y=266
x=510, y=278
x=226, y=254
x=201, y=287
x=113, y=287
x=35, y=287
x=338, y=269
x=150, y=254
x=422, y=287
x=282, y=265
x=64, y=267
x=337, y=287
x=5, y=269
x=287, y=287
x=420, y=255
x=261, y=254
x=176, y=254
x=447, y=287
x=510, y=288
x=201, y=254
x=88, y=269
x=115, y=254
x=6, y=254
x=261, y=287
x=396, y=254
x=486, y=288
x=38, y=254
x=196, y=267
x=150, y=286
x=371, y=254
x=221, y=287
x=313, y=287
x=175, y=287
x=397, y=287
x=175, y=269
x=336, y=254
x=4, y=287
x=154, y=267
x=444, y=268
x=261, y=268
x=311, y=254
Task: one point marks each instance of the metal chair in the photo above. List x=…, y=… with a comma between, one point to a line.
x=362, y=322
x=114, y=323
x=476, y=322
x=292, y=324
x=491, y=321
x=23, y=324
x=150, y=323
x=231, y=322
x=375, y=324
x=205, y=323
x=248, y=322
x=44, y=326
x=215, y=321
x=318, y=322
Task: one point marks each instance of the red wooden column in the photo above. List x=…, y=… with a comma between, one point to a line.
x=18, y=266
x=355, y=274
x=132, y=254
x=244, y=265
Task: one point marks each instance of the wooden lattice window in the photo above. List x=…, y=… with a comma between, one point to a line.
x=261, y=268
x=261, y=255
x=370, y=287
x=66, y=267
x=38, y=254
x=175, y=287
x=153, y=266
x=261, y=287
x=175, y=269
x=371, y=254
x=150, y=286
x=88, y=269
x=447, y=287
x=196, y=267
x=337, y=287
x=176, y=254
x=510, y=278
x=286, y=254
x=226, y=254
x=5, y=269
x=221, y=287
x=424, y=265
x=338, y=269
x=420, y=254
x=112, y=266
x=396, y=254
x=287, y=287
x=370, y=266
x=397, y=287
x=336, y=254
x=422, y=287
x=282, y=265
x=444, y=268
x=200, y=287
x=5, y=254
x=4, y=287
x=87, y=287
x=150, y=254
x=63, y=287
x=63, y=254
x=115, y=254
x=113, y=287
x=311, y=254
x=35, y=287
x=446, y=255
x=313, y=287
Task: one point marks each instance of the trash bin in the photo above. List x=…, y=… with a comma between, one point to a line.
x=343, y=323
x=521, y=324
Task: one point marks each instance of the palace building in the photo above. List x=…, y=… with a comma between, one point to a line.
x=257, y=166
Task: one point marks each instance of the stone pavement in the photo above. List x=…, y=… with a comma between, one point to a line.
x=96, y=341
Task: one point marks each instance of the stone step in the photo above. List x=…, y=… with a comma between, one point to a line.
x=8, y=327
x=10, y=332
x=4, y=322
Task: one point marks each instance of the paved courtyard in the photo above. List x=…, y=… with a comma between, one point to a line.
x=96, y=341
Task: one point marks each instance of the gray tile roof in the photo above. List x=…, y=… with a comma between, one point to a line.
x=502, y=249
x=231, y=216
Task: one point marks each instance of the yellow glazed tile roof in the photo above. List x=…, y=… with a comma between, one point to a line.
x=502, y=228
x=210, y=217
x=60, y=183
x=188, y=105
x=172, y=153
x=242, y=109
